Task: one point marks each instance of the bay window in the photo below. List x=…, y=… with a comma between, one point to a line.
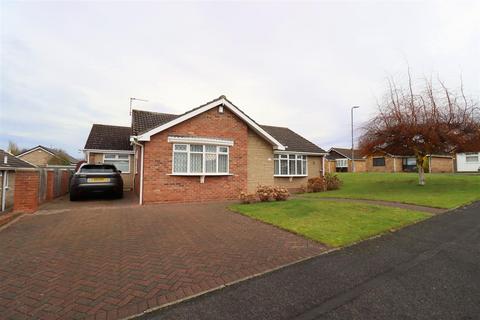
x=120, y=161
x=289, y=165
x=199, y=159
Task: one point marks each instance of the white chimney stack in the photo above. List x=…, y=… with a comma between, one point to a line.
x=5, y=159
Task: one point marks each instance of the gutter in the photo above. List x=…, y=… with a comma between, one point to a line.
x=135, y=142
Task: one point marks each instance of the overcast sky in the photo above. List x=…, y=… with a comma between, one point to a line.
x=66, y=65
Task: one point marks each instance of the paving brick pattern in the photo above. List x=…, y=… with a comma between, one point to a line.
x=114, y=262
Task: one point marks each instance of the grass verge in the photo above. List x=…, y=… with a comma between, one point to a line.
x=333, y=223
x=441, y=190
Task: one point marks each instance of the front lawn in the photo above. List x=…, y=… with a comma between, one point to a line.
x=441, y=190
x=332, y=223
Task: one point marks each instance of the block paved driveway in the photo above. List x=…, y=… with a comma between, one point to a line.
x=94, y=261
x=430, y=270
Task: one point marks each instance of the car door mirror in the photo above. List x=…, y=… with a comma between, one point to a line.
x=119, y=171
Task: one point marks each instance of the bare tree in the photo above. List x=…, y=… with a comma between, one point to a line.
x=13, y=148
x=61, y=158
x=432, y=120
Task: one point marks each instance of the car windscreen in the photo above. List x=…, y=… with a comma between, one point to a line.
x=98, y=169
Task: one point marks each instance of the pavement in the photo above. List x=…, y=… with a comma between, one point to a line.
x=107, y=259
x=430, y=270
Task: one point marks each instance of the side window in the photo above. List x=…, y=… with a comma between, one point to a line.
x=379, y=162
x=120, y=161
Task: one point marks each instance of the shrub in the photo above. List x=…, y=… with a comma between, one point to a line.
x=332, y=181
x=247, y=197
x=265, y=193
x=316, y=184
x=281, y=194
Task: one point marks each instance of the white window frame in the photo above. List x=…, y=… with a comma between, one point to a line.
x=286, y=156
x=472, y=155
x=116, y=159
x=341, y=163
x=204, y=153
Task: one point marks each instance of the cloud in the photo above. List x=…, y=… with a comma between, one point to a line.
x=68, y=65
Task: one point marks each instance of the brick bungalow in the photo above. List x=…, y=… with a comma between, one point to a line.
x=386, y=162
x=340, y=160
x=212, y=152
x=9, y=164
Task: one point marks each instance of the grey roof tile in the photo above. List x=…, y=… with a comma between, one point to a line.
x=347, y=153
x=106, y=137
x=12, y=162
x=143, y=121
x=292, y=140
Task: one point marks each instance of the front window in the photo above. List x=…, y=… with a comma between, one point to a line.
x=290, y=165
x=120, y=161
x=410, y=161
x=471, y=157
x=342, y=163
x=379, y=162
x=409, y=164
x=200, y=159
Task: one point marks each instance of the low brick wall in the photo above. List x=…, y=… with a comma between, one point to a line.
x=441, y=165
x=25, y=198
x=65, y=180
x=50, y=185
x=31, y=189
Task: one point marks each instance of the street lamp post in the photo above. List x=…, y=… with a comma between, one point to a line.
x=353, y=151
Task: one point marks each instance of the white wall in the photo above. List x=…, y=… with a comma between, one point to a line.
x=464, y=166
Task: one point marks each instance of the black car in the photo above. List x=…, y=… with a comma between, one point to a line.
x=96, y=178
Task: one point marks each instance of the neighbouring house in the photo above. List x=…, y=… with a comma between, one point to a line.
x=468, y=162
x=340, y=160
x=41, y=156
x=386, y=162
x=211, y=152
x=8, y=166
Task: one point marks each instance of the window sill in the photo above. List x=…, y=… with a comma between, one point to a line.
x=200, y=174
x=290, y=176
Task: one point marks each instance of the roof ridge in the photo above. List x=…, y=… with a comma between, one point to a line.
x=156, y=112
x=109, y=125
x=345, y=148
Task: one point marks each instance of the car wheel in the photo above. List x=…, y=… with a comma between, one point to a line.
x=120, y=195
x=73, y=196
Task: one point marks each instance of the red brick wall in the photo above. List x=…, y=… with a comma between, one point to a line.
x=159, y=186
x=441, y=164
x=26, y=191
x=50, y=186
x=65, y=181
